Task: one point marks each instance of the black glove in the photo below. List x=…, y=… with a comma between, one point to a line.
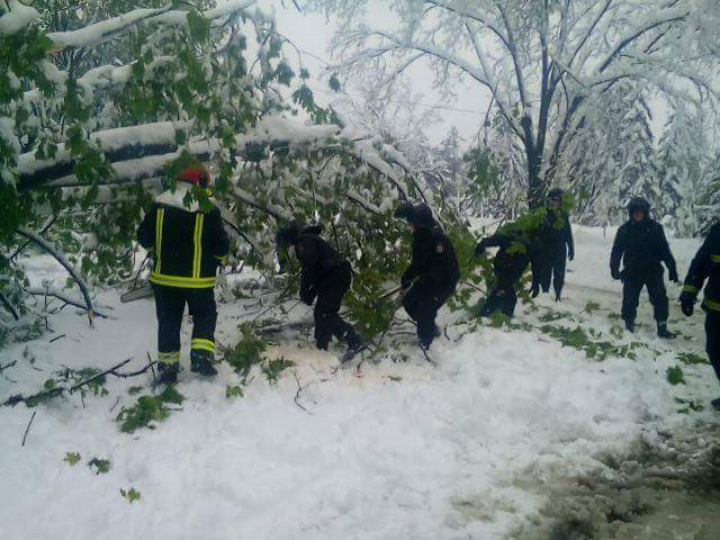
x=308, y=295
x=616, y=274
x=480, y=249
x=687, y=303
x=571, y=255
x=674, y=275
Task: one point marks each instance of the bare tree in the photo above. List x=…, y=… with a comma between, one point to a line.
x=544, y=63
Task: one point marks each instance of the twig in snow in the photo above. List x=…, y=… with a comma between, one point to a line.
x=9, y=365
x=134, y=373
x=117, y=402
x=45, y=245
x=299, y=392
x=53, y=340
x=99, y=375
x=12, y=309
x=27, y=429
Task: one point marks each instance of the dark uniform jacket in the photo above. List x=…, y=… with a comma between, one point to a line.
x=642, y=247
x=558, y=231
x=187, y=243
x=318, y=260
x=512, y=258
x=434, y=262
x=706, y=266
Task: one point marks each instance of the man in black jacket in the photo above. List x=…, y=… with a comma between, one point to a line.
x=325, y=275
x=558, y=240
x=509, y=265
x=433, y=273
x=187, y=245
x=706, y=266
x=641, y=245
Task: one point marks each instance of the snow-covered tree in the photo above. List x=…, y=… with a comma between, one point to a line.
x=546, y=64
x=102, y=103
x=683, y=157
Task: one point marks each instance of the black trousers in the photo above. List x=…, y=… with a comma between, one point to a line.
x=170, y=305
x=422, y=302
x=502, y=298
x=558, y=264
x=632, y=287
x=549, y=269
x=328, y=322
x=712, y=333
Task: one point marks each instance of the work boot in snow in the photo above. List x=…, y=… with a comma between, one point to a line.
x=630, y=326
x=168, y=373
x=201, y=362
x=436, y=331
x=716, y=404
x=663, y=332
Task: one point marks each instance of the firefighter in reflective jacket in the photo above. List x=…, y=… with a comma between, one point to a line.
x=187, y=243
x=706, y=266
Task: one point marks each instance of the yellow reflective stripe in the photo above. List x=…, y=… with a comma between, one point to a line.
x=197, y=257
x=169, y=357
x=202, y=345
x=712, y=305
x=160, y=218
x=691, y=289
x=179, y=281
x=715, y=258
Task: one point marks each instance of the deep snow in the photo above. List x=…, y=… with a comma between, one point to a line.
x=401, y=450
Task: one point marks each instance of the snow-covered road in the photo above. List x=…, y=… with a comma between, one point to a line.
x=403, y=451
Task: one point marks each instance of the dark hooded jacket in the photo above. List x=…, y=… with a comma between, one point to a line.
x=434, y=261
x=641, y=246
x=318, y=259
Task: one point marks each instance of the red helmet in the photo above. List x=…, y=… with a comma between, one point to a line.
x=195, y=175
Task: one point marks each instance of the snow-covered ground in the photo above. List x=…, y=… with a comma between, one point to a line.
x=398, y=450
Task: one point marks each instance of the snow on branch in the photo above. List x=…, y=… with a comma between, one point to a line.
x=59, y=257
x=18, y=17
x=101, y=32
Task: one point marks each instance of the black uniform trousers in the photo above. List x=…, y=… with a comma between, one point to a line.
x=169, y=305
x=712, y=333
x=328, y=322
x=422, y=302
x=632, y=287
x=502, y=297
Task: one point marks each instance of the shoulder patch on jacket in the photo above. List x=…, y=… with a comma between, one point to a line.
x=440, y=248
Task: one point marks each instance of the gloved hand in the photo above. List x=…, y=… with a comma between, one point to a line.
x=674, y=275
x=405, y=282
x=308, y=295
x=687, y=303
x=616, y=274
x=480, y=249
x=571, y=255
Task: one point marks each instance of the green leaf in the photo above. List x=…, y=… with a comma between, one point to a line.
x=675, y=375
x=334, y=83
x=274, y=368
x=101, y=466
x=131, y=495
x=233, y=392
x=72, y=458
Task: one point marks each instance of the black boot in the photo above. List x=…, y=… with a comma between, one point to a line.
x=630, y=326
x=663, y=332
x=168, y=373
x=202, y=362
